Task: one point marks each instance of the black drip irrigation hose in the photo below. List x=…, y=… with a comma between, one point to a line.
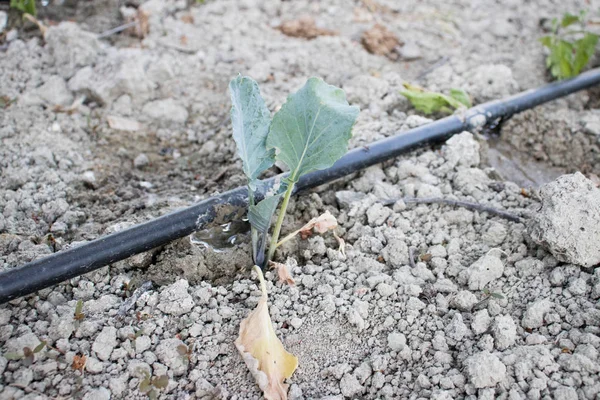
x=48, y=271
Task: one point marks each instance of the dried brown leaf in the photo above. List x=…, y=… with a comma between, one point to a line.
x=323, y=223
x=79, y=362
x=304, y=27
x=381, y=41
x=263, y=352
x=283, y=273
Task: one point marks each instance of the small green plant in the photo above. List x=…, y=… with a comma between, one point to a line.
x=570, y=49
x=25, y=6
x=431, y=102
x=28, y=355
x=78, y=315
x=152, y=385
x=310, y=132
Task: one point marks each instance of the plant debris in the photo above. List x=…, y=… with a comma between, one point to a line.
x=304, y=27
x=263, y=352
x=430, y=102
x=283, y=273
x=381, y=41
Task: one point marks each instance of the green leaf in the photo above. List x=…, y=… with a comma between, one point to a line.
x=12, y=356
x=497, y=295
x=145, y=386
x=161, y=382
x=312, y=129
x=461, y=96
x=153, y=394
x=260, y=214
x=584, y=50
x=569, y=19
x=546, y=41
x=250, y=118
x=430, y=102
x=25, y=6
x=40, y=347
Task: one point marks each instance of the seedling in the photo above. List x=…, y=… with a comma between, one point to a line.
x=570, y=49
x=430, y=102
x=152, y=385
x=28, y=356
x=25, y=6
x=78, y=316
x=185, y=353
x=310, y=132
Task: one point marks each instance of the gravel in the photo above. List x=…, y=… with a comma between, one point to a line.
x=490, y=308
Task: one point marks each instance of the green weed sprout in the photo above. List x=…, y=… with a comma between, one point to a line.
x=25, y=6
x=310, y=132
x=570, y=50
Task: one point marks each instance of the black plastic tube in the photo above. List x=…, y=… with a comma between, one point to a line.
x=76, y=261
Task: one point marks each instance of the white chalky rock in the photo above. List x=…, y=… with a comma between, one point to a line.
x=483, y=271
x=97, y=394
x=350, y=386
x=105, y=342
x=568, y=224
x=166, y=109
x=484, y=370
x=504, y=331
x=168, y=353
x=481, y=322
x=462, y=150
x=464, y=300
x=175, y=299
x=72, y=47
x=534, y=316
x=396, y=341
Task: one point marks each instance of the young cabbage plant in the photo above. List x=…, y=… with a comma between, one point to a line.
x=310, y=132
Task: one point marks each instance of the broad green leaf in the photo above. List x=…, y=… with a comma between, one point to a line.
x=311, y=130
x=25, y=6
x=145, y=386
x=250, y=118
x=430, y=102
x=569, y=19
x=260, y=214
x=546, y=41
x=461, y=96
x=584, y=50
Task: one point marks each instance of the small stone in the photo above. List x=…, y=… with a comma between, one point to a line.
x=565, y=393
x=350, y=386
x=484, y=370
x=93, y=365
x=105, y=342
x=385, y=290
x=3, y=20
x=483, y=271
x=141, y=161
x=142, y=343
x=568, y=223
x=54, y=91
x=481, y=322
x=462, y=150
x=396, y=341
x=168, y=353
x=456, y=329
x=504, y=331
x=464, y=300
x=296, y=322
x=534, y=316
x=165, y=110
x=97, y=394
x=175, y=299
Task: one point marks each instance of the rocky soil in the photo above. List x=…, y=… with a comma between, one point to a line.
x=428, y=301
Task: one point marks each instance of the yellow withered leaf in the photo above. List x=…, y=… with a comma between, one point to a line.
x=263, y=352
x=323, y=223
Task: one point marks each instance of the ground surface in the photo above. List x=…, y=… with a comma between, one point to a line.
x=363, y=325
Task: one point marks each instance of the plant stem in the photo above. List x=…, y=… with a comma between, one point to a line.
x=282, y=210
x=261, y=278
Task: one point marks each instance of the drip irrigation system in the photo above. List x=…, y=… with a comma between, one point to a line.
x=66, y=264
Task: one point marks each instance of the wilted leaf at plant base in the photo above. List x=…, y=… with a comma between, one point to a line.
x=311, y=130
x=263, y=352
x=283, y=273
x=79, y=362
x=429, y=102
x=250, y=118
x=323, y=223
